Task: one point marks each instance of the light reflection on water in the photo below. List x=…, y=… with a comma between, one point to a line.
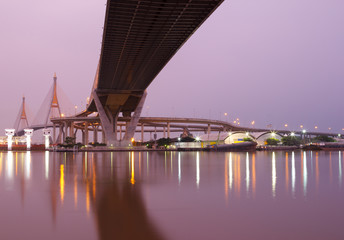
x=171, y=195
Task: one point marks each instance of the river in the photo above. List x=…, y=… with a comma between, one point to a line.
x=172, y=195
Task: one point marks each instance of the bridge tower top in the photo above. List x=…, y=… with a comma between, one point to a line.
x=54, y=108
x=22, y=120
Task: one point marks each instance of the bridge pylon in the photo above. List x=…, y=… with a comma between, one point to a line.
x=54, y=108
x=22, y=120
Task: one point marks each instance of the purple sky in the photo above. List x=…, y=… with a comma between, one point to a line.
x=270, y=61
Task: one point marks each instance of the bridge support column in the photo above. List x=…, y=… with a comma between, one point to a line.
x=54, y=133
x=60, y=137
x=209, y=130
x=164, y=132
x=71, y=130
x=95, y=133
x=108, y=121
x=103, y=137
x=131, y=127
x=120, y=132
x=142, y=132
x=65, y=132
x=86, y=133
x=168, y=129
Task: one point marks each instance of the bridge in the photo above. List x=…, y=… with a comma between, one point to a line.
x=139, y=39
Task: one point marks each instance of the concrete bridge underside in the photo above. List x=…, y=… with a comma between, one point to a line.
x=139, y=39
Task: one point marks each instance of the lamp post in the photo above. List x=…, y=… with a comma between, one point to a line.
x=28, y=134
x=9, y=133
x=46, y=134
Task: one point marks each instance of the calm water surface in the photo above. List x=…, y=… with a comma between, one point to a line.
x=172, y=195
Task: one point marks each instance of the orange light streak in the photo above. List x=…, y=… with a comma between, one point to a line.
x=62, y=182
x=286, y=171
x=254, y=174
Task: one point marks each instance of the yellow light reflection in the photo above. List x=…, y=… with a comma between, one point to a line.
x=237, y=175
x=132, y=180
x=317, y=169
x=62, y=182
x=247, y=172
x=286, y=171
x=87, y=197
x=274, y=177
x=253, y=174
x=94, y=185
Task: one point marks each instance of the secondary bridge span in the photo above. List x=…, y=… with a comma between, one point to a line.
x=139, y=39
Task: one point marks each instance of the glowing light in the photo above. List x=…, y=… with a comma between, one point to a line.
x=62, y=183
x=285, y=125
x=329, y=128
x=304, y=131
x=132, y=140
x=28, y=134
x=292, y=134
x=132, y=180
x=247, y=133
x=46, y=134
x=9, y=133
x=62, y=115
x=316, y=127
x=253, y=122
x=301, y=126
x=226, y=114
x=197, y=139
x=273, y=134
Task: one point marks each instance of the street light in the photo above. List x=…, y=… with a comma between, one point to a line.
x=285, y=125
x=301, y=126
x=316, y=127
